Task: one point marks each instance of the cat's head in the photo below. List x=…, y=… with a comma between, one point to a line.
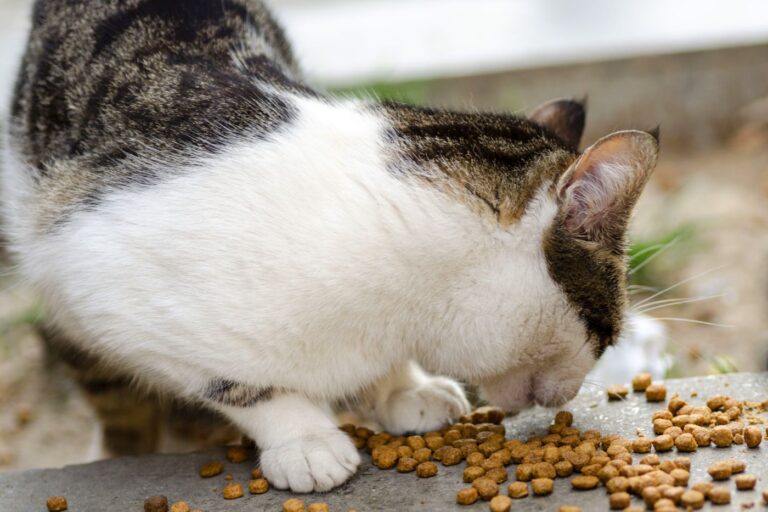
x=582, y=290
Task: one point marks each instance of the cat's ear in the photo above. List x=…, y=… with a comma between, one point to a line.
x=565, y=118
x=600, y=189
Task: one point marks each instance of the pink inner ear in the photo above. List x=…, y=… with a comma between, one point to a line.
x=593, y=189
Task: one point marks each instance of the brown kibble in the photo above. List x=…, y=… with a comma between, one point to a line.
x=486, y=487
x=524, y=472
x=466, y=496
x=583, y=482
x=663, y=443
x=293, y=505
x=676, y=403
x=765, y=496
x=237, y=454
x=451, y=456
x=673, y=432
x=211, y=469
x=685, y=443
x=641, y=445
x=617, y=392
x=426, y=470
x=257, y=473
x=416, y=442
x=384, y=457
x=701, y=436
x=692, y=499
x=318, y=507
x=564, y=418
x=543, y=470
x=258, y=486
x=59, y=503
x=518, y=490
x=156, y=504
x=753, y=436
x=425, y=454
x=703, y=487
x=563, y=469
x=473, y=472
x=663, y=414
x=569, y=508
x=651, y=459
x=180, y=506
x=499, y=475
x=434, y=442
x=475, y=459
x=656, y=393
x=641, y=381
x=651, y=495
x=745, y=482
x=607, y=472
x=737, y=466
x=672, y=493
x=683, y=463
x=738, y=438
x=233, y=491
x=500, y=503
x=681, y=477
x=543, y=486
x=719, y=495
x=720, y=471
x=617, y=484
x=619, y=500
x=406, y=464
x=722, y=436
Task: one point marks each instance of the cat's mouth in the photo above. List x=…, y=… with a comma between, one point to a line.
x=520, y=389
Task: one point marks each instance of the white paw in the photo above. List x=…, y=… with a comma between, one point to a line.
x=315, y=461
x=427, y=406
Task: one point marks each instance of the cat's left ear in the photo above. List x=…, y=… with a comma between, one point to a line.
x=565, y=118
x=599, y=190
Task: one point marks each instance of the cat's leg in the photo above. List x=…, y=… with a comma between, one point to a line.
x=411, y=400
x=302, y=448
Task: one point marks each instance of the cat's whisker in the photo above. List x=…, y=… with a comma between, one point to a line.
x=673, y=302
x=646, y=251
x=692, y=321
x=655, y=255
x=678, y=284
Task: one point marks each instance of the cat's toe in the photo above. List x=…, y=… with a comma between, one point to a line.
x=317, y=461
x=426, y=407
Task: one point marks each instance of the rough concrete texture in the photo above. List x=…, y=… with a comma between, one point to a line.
x=123, y=484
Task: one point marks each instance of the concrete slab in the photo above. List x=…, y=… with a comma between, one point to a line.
x=123, y=484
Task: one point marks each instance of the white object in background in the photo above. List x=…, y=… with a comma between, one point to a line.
x=640, y=349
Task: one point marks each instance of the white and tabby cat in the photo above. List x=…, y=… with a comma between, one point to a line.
x=198, y=218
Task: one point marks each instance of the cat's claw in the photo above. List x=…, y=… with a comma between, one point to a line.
x=427, y=406
x=316, y=461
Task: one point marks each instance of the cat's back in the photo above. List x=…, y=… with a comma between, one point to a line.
x=105, y=84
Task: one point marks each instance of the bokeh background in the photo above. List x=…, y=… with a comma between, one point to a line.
x=699, y=69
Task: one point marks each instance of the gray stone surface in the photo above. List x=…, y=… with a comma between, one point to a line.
x=123, y=484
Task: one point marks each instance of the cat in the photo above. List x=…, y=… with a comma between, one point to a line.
x=198, y=217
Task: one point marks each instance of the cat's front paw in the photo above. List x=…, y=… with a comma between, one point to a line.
x=424, y=407
x=314, y=461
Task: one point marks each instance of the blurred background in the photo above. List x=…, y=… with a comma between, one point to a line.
x=699, y=69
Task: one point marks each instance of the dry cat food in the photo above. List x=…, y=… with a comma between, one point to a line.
x=156, y=504
x=318, y=507
x=617, y=392
x=237, y=454
x=542, y=486
x=258, y=486
x=232, y=491
x=467, y=496
x=500, y=503
x=56, y=503
x=211, y=469
x=293, y=505
x=426, y=469
x=656, y=393
x=180, y=506
x=745, y=482
x=517, y=490
x=641, y=382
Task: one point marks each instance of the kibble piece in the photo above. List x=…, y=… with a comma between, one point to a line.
x=517, y=490
x=703, y=487
x=641, y=445
x=434, y=442
x=722, y=436
x=685, y=443
x=180, y=506
x=426, y=470
x=641, y=381
x=473, y=472
x=424, y=454
x=681, y=477
x=617, y=392
x=524, y=472
x=692, y=499
x=384, y=457
x=500, y=503
x=474, y=459
x=719, y=495
x=467, y=496
x=293, y=505
x=416, y=442
x=619, y=500
x=486, y=487
x=583, y=482
x=563, y=469
x=617, y=484
x=738, y=438
x=673, y=432
x=258, y=486
x=59, y=503
x=651, y=495
x=765, y=496
x=656, y=393
x=542, y=486
x=451, y=456
x=156, y=504
x=720, y=471
x=543, y=470
x=318, y=507
x=569, y=508
x=233, y=491
x=211, y=469
x=672, y=493
x=753, y=436
x=745, y=482
x=237, y=454
x=663, y=414
x=651, y=459
x=663, y=443
x=702, y=436
x=257, y=473
x=499, y=475
x=564, y=418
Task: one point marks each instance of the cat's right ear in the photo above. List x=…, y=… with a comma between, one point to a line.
x=565, y=118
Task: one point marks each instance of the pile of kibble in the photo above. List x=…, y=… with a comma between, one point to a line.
x=590, y=459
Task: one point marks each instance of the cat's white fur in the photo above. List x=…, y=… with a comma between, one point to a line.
x=304, y=263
